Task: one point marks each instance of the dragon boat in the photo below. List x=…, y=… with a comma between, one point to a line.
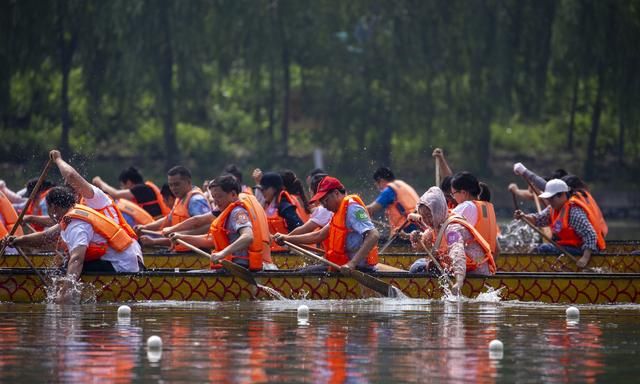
x=506, y=262
x=23, y=285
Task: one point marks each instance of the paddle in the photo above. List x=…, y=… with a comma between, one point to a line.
x=555, y=244
x=28, y=260
x=515, y=200
x=380, y=267
x=437, y=173
x=233, y=268
x=395, y=236
x=443, y=273
x=34, y=192
x=151, y=233
x=368, y=281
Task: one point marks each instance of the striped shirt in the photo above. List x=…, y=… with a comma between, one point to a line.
x=578, y=220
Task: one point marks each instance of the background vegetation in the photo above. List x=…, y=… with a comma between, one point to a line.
x=264, y=82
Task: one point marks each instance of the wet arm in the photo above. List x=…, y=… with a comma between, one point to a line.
x=115, y=193
x=371, y=238
x=73, y=178
x=242, y=243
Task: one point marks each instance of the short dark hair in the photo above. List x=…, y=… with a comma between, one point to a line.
x=131, y=174
x=575, y=183
x=383, y=173
x=61, y=197
x=232, y=169
x=228, y=183
x=166, y=191
x=445, y=184
x=46, y=184
x=465, y=181
x=179, y=170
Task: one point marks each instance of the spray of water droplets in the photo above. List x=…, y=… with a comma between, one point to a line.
x=518, y=237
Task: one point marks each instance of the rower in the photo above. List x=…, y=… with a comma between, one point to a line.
x=283, y=210
x=457, y=244
x=95, y=242
x=294, y=187
x=396, y=197
x=36, y=214
x=320, y=216
x=239, y=233
x=474, y=205
x=133, y=188
x=8, y=217
x=572, y=222
x=190, y=201
x=233, y=169
x=534, y=181
x=352, y=239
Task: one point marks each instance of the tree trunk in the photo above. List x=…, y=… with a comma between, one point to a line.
x=6, y=15
x=286, y=84
x=165, y=72
x=572, y=114
x=66, y=50
x=589, y=170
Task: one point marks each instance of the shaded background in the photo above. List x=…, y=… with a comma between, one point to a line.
x=263, y=83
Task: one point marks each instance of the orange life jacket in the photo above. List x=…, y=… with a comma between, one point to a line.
x=180, y=213
x=277, y=224
x=112, y=212
x=590, y=202
x=472, y=265
x=116, y=237
x=564, y=234
x=338, y=231
x=259, y=251
x=159, y=200
x=405, y=203
x=9, y=216
x=302, y=212
x=139, y=215
x=36, y=210
x=487, y=225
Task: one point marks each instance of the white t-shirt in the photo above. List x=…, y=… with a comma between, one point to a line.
x=79, y=233
x=99, y=201
x=468, y=210
x=321, y=216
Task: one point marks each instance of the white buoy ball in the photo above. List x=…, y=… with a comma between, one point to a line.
x=496, y=345
x=154, y=342
x=573, y=313
x=124, y=311
x=303, y=312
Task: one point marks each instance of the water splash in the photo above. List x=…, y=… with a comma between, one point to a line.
x=81, y=293
x=275, y=294
x=491, y=295
x=396, y=293
x=518, y=237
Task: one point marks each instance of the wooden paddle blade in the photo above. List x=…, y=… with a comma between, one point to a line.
x=239, y=272
x=374, y=283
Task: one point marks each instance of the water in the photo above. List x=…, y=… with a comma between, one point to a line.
x=376, y=340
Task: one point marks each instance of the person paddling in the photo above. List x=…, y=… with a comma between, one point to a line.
x=190, y=201
x=396, y=197
x=572, y=223
x=456, y=244
x=351, y=238
x=95, y=242
x=283, y=210
x=239, y=233
x=133, y=188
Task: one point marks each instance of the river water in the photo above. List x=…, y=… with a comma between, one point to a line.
x=361, y=341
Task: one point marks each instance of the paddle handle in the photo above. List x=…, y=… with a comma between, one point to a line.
x=195, y=249
x=515, y=200
x=28, y=260
x=34, y=192
x=437, y=184
x=435, y=261
x=550, y=240
x=152, y=233
x=311, y=254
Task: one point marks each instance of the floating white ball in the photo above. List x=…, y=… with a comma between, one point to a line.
x=154, y=342
x=124, y=311
x=303, y=312
x=496, y=345
x=573, y=313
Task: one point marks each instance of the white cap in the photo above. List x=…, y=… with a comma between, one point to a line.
x=554, y=186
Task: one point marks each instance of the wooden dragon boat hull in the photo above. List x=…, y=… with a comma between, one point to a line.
x=507, y=262
x=21, y=285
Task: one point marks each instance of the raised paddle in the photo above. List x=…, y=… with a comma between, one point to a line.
x=437, y=173
x=515, y=200
x=368, y=281
x=34, y=192
x=233, y=268
x=555, y=244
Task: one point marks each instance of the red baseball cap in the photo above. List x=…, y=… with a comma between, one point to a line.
x=327, y=185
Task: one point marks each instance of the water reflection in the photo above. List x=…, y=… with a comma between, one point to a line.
x=345, y=341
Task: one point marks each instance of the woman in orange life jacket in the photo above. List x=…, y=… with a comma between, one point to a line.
x=233, y=237
x=281, y=208
x=294, y=186
x=320, y=216
x=133, y=188
x=396, y=197
x=95, y=242
x=190, y=201
x=458, y=245
x=572, y=223
x=352, y=237
x=474, y=205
